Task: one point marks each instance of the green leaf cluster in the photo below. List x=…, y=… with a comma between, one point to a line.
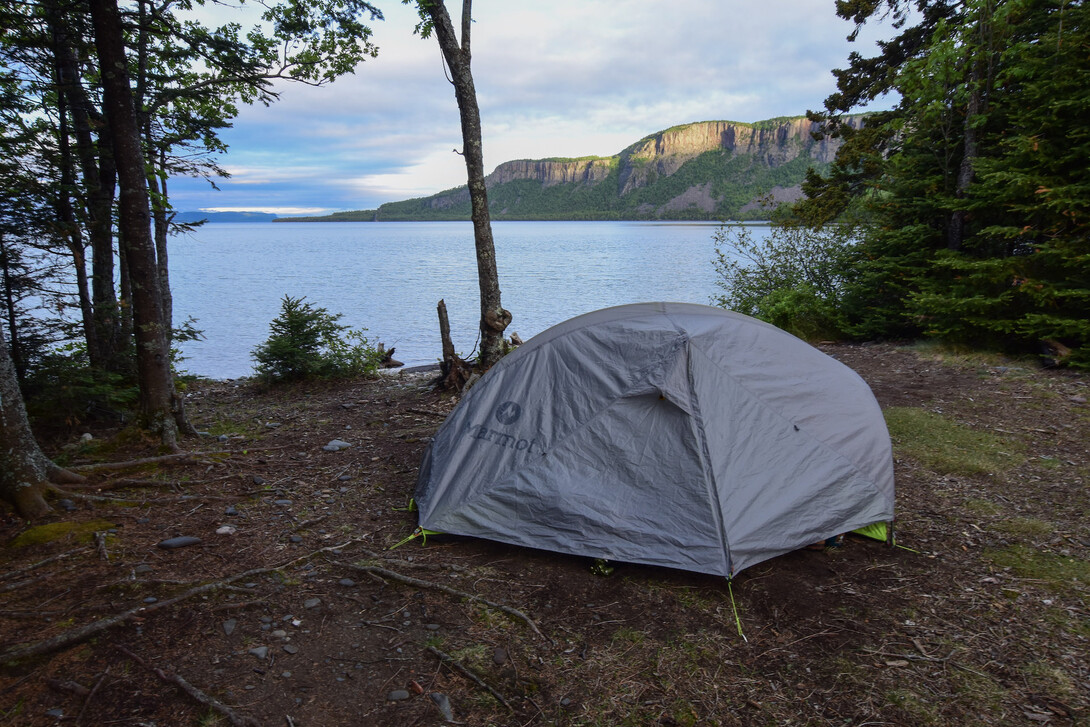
x=309, y=342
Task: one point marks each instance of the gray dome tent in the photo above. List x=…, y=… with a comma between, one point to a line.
x=668, y=434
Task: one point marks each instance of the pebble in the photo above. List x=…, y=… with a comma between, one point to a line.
x=67, y=505
x=280, y=633
x=86, y=437
x=1077, y=399
x=151, y=599
x=291, y=648
x=312, y=603
x=344, y=478
x=229, y=626
x=284, y=503
x=179, y=542
x=431, y=627
x=499, y=656
x=286, y=674
x=142, y=568
x=272, y=425
x=443, y=703
x=226, y=530
x=258, y=480
x=260, y=652
x=296, y=538
x=266, y=619
x=55, y=713
x=336, y=445
x=347, y=582
x=230, y=510
x=398, y=695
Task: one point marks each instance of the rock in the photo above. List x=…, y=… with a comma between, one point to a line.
x=222, y=437
x=230, y=510
x=398, y=695
x=272, y=425
x=258, y=480
x=347, y=582
x=285, y=675
x=312, y=603
x=499, y=656
x=1077, y=399
x=226, y=530
x=431, y=627
x=291, y=648
x=282, y=503
x=443, y=703
x=280, y=633
x=86, y=437
x=261, y=652
x=142, y=568
x=55, y=713
x=336, y=445
x=229, y=626
x=67, y=505
x=151, y=599
x=179, y=542
x=296, y=538
x=345, y=478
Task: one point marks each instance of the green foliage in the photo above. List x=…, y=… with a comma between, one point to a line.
x=793, y=277
x=308, y=342
x=63, y=389
x=976, y=187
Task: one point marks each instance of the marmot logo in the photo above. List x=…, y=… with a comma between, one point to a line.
x=508, y=412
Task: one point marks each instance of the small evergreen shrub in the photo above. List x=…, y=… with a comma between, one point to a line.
x=308, y=342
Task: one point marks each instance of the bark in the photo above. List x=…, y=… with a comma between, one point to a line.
x=494, y=319
x=154, y=376
x=25, y=473
x=96, y=162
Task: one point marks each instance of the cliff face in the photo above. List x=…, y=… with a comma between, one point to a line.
x=734, y=165
x=550, y=172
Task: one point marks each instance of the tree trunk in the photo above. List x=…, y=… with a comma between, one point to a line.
x=99, y=179
x=154, y=376
x=494, y=319
x=25, y=472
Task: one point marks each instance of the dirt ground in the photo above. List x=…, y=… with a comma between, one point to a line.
x=290, y=611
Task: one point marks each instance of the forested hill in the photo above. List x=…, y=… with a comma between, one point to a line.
x=709, y=170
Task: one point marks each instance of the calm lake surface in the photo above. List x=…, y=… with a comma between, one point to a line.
x=388, y=276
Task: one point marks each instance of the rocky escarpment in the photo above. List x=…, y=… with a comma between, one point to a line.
x=704, y=170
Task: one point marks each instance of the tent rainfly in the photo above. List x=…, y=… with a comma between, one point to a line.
x=668, y=434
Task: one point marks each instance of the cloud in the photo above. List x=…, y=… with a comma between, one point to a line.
x=564, y=78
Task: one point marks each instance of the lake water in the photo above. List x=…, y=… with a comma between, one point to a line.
x=388, y=276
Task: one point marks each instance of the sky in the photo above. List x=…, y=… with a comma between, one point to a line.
x=563, y=78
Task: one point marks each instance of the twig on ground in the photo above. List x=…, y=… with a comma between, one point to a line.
x=451, y=662
x=193, y=692
x=94, y=690
x=20, y=584
x=100, y=544
x=74, y=636
x=308, y=523
x=380, y=572
x=34, y=566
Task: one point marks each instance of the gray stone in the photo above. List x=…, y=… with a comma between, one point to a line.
x=312, y=603
x=260, y=652
x=230, y=510
x=283, y=503
x=55, y=713
x=347, y=582
x=336, y=445
x=179, y=542
x=431, y=627
x=229, y=626
x=280, y=633
x=296, y=538
x=285, y=674
x=344, y=478
x=151, y=599
x=273, y=425
x=398, y=695
x=258, y=480
x=142, y=568
x=499, y=656
x=443, y=703
x=67, y=505
x=291, y=648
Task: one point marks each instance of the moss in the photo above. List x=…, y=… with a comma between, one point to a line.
x=81, y=531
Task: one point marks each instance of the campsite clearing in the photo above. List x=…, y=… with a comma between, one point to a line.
x=288, y=611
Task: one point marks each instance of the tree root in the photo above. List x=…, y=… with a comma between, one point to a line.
x=34, y=566
x=380, y=572
x=193, y=692
x=164, y=459
x=457, y=666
